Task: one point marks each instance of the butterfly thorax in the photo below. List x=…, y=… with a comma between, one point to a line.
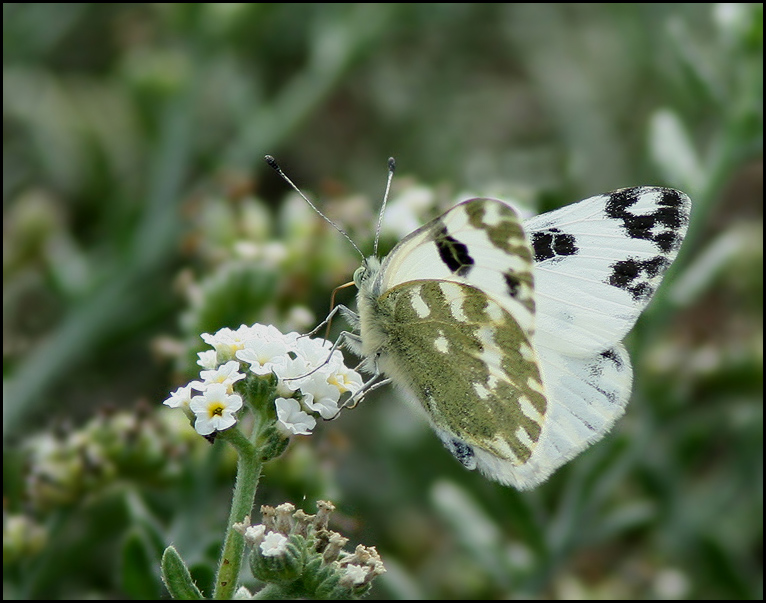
x=372, y=323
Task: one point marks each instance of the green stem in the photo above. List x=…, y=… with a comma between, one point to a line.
x=248, y=474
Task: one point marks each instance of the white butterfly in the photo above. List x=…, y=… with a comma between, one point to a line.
x=507, y=335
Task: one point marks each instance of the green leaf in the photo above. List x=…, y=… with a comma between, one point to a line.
x=176, y=576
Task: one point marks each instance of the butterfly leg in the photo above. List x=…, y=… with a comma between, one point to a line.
x=339, y=308
x=366, y=388
x=342, y=338
x=370, y=385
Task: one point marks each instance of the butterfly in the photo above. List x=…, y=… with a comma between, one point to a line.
x=506, y=334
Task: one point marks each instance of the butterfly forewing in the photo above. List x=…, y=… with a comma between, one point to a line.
x=598, y=263
x=479, y=242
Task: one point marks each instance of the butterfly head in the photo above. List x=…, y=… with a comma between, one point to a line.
x=366, y=272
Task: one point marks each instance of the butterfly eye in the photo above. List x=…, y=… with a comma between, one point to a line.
x=360, y=274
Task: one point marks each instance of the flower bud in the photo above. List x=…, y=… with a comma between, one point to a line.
x=269, y=515
x=281, y=563
x=273, y=443
x=284, y=520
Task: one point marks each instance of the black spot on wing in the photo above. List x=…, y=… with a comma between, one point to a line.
x=662, y=226
x=462, y=452
x=552, y=242
x=596, y=369
x=611, y=355
x=629, y=275
x=513, y=283
x=453, y=253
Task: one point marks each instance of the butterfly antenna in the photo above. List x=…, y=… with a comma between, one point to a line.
x=275, y=166
x=391, y=169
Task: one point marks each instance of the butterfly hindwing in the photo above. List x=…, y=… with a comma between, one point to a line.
x=468, y=363
x=588, y=394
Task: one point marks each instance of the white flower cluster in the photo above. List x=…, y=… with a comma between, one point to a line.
x=309, y=378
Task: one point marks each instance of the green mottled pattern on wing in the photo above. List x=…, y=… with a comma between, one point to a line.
x=469, y=362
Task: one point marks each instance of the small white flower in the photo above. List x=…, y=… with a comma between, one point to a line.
x=273, y=544
x=345, y=379
x=263, y=354
x=227, y=374
x=225, y=342
x=321, y=396
x=356, y=574
x=316, y=352
x=292, y=373
x=199, y=386
x=180, y=398
x=215, y=409
x=208, y=359
x=259, y=331
x=291, y=419
x=228, y=342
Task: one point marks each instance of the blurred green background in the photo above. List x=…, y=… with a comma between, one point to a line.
x=138, y=213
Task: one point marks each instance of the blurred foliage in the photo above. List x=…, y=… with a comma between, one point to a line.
x=137, y=213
